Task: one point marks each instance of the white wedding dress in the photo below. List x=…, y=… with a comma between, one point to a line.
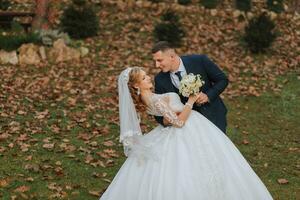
x=194, y=162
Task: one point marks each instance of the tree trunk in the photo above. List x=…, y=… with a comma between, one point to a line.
x=40, y=21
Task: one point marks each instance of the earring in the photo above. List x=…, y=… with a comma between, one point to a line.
x=138, y=91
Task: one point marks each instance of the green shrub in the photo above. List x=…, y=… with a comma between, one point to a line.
x=79, y=20
x=79, y=2
x=259, y=34
x=16, y=27
x=170, y=16
x=184, y=2
x=155, y=1
x=209, y=4
x=169, y=29
x=275, y=5
x=243, y=5
x=13, y=42
x=170, y=32
x=4, y=4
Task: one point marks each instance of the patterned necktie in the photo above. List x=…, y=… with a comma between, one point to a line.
x=178, y=75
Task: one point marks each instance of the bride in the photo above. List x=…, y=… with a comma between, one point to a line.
x=190, y=160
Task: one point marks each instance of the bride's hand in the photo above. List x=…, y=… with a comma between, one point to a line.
x=193, y=98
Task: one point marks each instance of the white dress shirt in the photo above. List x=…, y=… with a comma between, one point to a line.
x=174, y=78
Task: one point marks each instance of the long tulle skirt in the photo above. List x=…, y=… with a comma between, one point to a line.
x=195, y=162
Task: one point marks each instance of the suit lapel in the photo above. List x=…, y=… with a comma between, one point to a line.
x=187, y=65
x=167, y=78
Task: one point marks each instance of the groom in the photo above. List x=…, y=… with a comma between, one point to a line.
x=174, y=67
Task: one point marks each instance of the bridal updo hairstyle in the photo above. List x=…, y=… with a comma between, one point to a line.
x=134, y=78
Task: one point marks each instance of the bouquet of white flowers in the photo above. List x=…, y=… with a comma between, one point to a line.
x=190, y=84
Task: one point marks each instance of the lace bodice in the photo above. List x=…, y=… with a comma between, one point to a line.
x=166, y=105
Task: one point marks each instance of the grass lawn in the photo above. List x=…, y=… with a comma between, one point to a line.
x=73, y=153
x=267, y=132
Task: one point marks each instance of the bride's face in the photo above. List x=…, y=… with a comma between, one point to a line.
x=144, y=82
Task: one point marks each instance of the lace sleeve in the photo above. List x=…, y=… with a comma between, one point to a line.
x=166, y=112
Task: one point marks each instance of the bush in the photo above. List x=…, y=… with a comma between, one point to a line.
x=155, y=1
x=169, y=29
x=184, y=2
x=275, y=5
x=169, y=32
x=16, y=27
x=170, y=16
x=80, y=20
x=209, y=4
x=79, y=2
x=13, y=42
x=4, y=4
x=259, y=34
x=243, y=5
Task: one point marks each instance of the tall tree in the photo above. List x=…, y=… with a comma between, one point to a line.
x=41, y=18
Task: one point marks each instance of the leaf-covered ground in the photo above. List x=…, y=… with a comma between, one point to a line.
x=59, y=122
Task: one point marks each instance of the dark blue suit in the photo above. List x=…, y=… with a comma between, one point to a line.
x=215, y=83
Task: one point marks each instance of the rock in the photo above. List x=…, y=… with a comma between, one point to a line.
x=272, y=15
x=42, y=52
x=83, y=51
x=250, y=15
x=28, y=54
x=143, y=4
x=8, y=57
x=61, y=52
x=236, y=13
x=213, y=12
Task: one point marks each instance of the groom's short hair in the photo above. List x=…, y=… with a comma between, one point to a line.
x=161, y=46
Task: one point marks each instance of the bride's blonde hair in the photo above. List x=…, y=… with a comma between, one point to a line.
x=134, y=78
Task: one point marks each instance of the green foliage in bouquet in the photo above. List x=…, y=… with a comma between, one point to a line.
x=184, y=2
x=4, y=4
x=259, y=33
x=169, y=29
x=275, y=5
x=13, y=42
x=79, y=20
x=243, y=5
x=209, y=4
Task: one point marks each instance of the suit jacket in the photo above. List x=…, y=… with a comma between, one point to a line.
x=215, y=83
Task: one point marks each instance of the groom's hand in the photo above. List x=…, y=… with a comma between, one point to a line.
x=202, y=99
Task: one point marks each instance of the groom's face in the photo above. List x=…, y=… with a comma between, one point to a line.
x=164, y=60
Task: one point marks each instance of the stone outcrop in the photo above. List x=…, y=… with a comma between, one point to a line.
x=61, y=52
x=29, y=54
x=8, y=57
